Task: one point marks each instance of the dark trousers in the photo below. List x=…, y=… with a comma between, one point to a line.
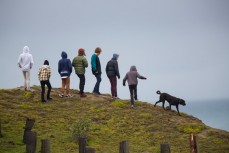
x=113, y=81
x=133, y=93
x=43, y=83
x=99, y=79
x=82, y=82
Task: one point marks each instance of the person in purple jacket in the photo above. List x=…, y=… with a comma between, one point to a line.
x=131, y=78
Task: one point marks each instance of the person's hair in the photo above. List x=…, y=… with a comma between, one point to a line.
x=81, y=52
x=98, y=50
x=46, y=62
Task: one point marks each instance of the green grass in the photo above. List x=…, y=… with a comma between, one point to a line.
x=111, y=121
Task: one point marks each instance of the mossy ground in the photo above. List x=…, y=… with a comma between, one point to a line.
x=112, y=121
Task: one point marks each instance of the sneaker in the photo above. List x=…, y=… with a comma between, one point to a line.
x=132, y=106
x=49, y=98
x=115, y=97
x=96, y=93
x=83, y=95
x=69, y=95
x=43, y=101
x=61, y=95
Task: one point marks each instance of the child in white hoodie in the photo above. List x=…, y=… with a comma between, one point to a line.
x=44, y=74
x=25, y=62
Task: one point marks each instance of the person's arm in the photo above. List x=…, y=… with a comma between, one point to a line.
x=31, y=62
x=116, y=69
x=70, y=66
x=85, y=63
x=107, y=69
x=73, y=62
x=93, y=63
x=59, y=69
x=39, y=73
x=49, y=72
x=140, y=77
x=124, y=80
x=19, y=61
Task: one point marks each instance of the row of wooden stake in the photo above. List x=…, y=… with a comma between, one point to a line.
x=30, y=139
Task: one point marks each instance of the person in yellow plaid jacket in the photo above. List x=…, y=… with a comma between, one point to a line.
x=44, y=74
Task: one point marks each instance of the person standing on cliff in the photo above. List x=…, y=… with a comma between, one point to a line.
x=25, y=62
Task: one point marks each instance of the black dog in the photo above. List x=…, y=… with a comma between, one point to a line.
x=170, y=99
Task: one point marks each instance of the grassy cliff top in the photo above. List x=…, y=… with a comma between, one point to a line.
x=111, y=121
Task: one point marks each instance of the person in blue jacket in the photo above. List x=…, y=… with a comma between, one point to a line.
x=96, y=69
x=65, y=70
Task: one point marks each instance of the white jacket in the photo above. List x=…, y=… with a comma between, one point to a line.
x=25, y=60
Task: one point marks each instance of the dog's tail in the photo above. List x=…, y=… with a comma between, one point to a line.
x=158, y=92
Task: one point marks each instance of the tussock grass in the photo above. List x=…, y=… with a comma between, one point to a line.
x=111, y=121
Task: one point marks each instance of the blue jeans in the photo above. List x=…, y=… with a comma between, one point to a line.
x=99, y=79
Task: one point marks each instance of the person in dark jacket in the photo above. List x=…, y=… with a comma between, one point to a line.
x=80, y=64
x=96, y=69
x=112, y=71
x=65, y=70
x=132, y=80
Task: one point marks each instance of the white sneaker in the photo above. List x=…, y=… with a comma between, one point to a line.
x=61, y=95
x=69, y=95
x=132, y=106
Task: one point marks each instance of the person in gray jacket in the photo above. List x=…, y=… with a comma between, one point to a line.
x=112, y=73
x=132, y=80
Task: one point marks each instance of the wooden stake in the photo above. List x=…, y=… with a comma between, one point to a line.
x=124, y=147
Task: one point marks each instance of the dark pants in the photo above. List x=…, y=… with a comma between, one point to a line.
x=82, y=82
x=99, y=79
x=133, y=93
x=43, y=83
x=113, y=81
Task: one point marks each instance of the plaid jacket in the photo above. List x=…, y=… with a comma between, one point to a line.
x=44, y=73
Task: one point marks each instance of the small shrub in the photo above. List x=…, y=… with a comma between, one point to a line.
x=211, y=133
x=118, y=104
x=80, y=129
x=27, y=94
x=146, y=115
x=36, y=100
x=191, y=128
x=24, y=106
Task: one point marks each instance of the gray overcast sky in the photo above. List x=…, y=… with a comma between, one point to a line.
x=181, y=46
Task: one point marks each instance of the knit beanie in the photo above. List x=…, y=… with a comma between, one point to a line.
x=46, y=62
x=81, y=52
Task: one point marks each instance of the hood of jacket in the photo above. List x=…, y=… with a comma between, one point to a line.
x=133, y=68
x=64, y=54
x=26, y=49
x=115, y=56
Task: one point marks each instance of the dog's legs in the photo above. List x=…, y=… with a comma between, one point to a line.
x=163, y=104
x=157, y=103
x=169, y=106
x=177, y=110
